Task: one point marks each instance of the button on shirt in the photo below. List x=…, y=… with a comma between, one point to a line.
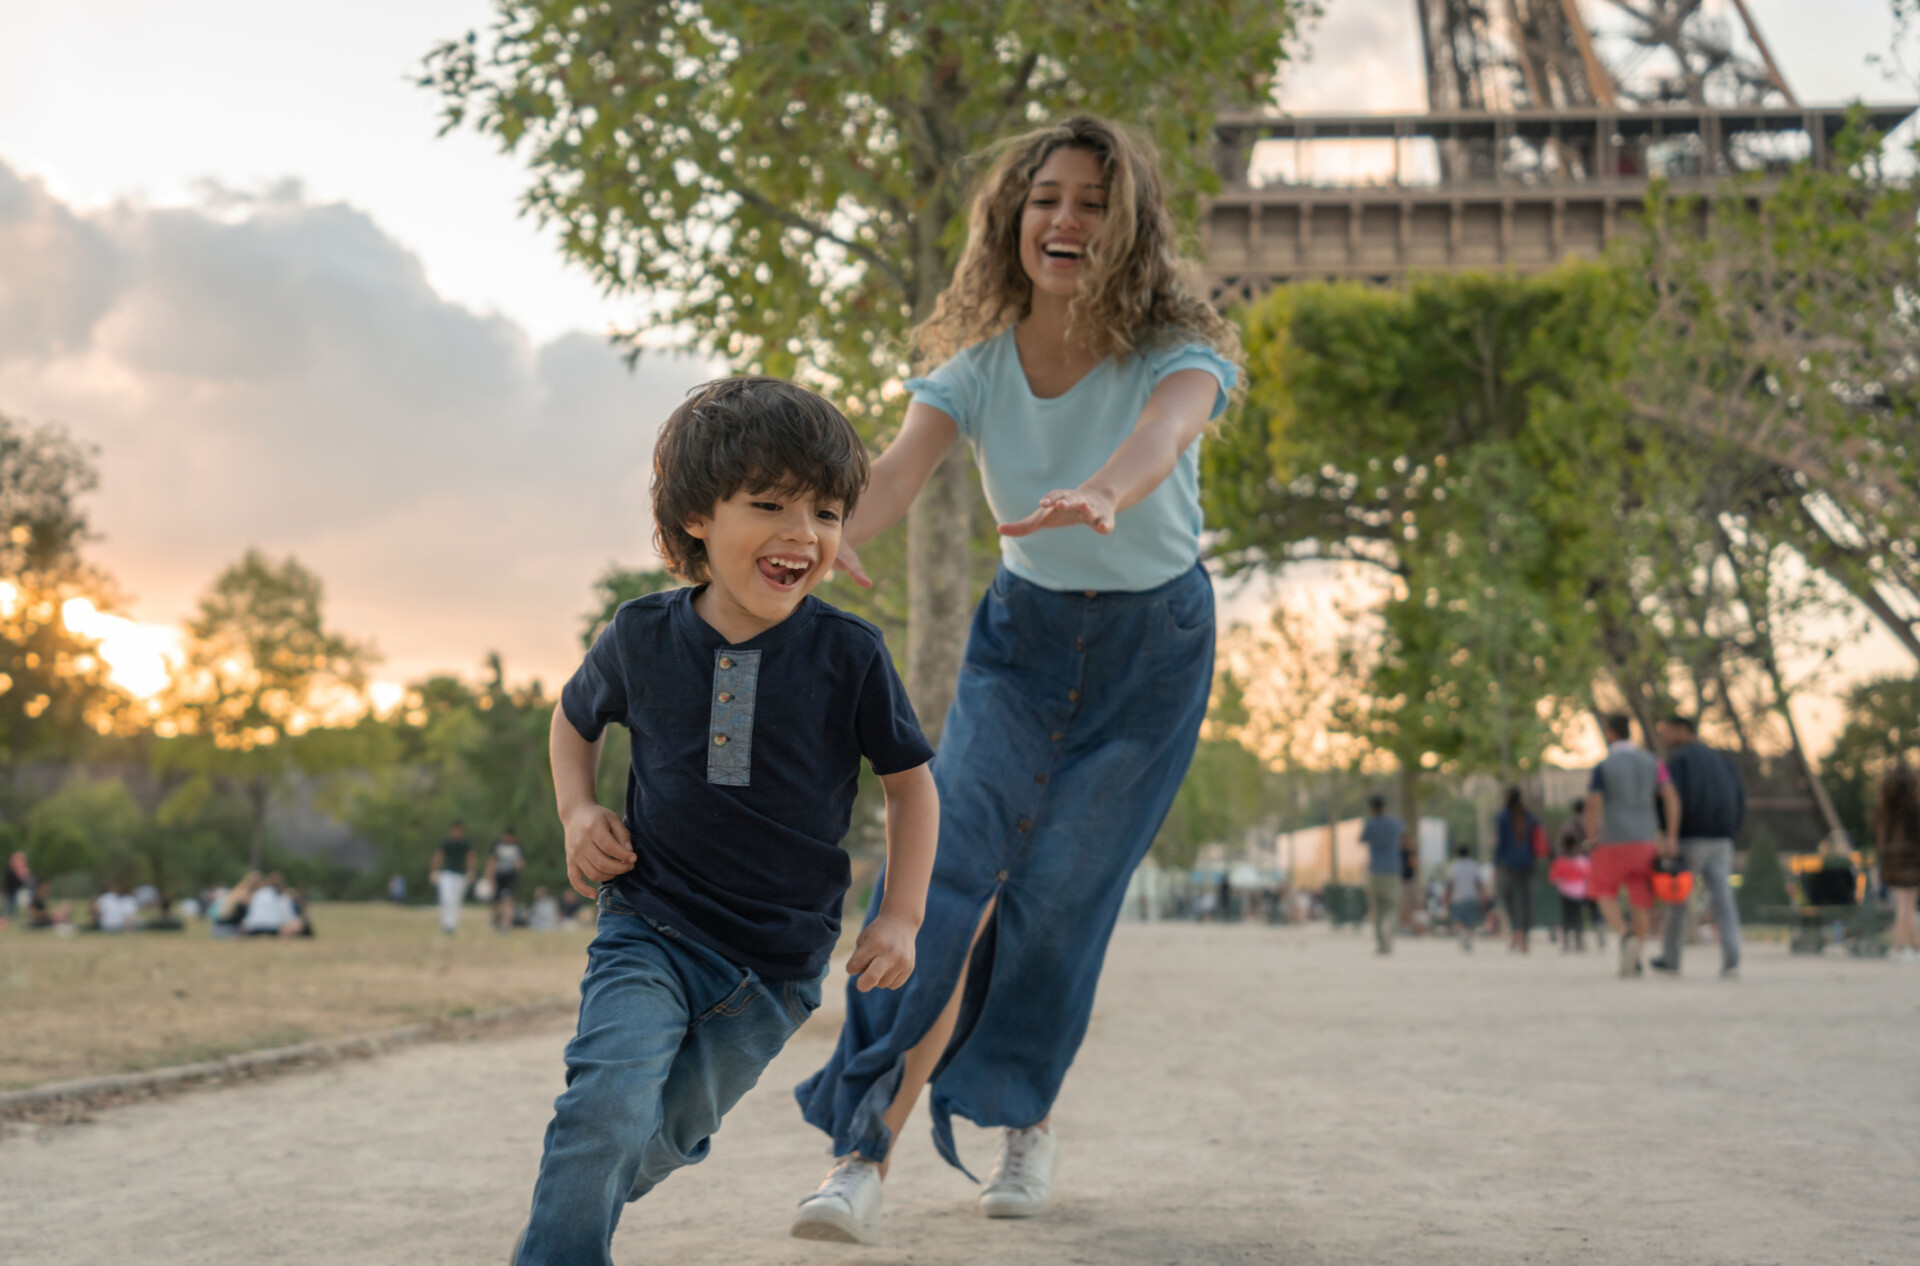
x=745, y=761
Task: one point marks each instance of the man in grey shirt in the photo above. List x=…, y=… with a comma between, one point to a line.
x=1385, y=837
x=1627, y=835
x=1713, y=806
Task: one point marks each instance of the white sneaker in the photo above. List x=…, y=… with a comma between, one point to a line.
x=846, y=1208
x=1021, y=1183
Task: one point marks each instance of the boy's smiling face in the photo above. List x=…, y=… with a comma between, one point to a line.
x=766, y=550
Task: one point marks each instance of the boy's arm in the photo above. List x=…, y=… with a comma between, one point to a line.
x=433, y=867
x=883, y=956
x=598, y=846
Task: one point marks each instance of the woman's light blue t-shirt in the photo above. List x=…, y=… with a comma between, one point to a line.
x=1027, y=447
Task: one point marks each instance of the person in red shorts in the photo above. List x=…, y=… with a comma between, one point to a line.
x=1627, y=834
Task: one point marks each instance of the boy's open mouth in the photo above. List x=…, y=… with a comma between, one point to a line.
x=783, y=572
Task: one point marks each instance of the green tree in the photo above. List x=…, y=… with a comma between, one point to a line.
x=91, y=826
x=478, y=753
x=1882, y=723
x=261, y=670
x=1227, y=789
x=1453, y=436
x=1782, y=328
x=618, y=585
x=1763, y=881
x=54, y=692
x=785, y=181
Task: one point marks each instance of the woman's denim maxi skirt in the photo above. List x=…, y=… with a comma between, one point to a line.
x=1072, y=726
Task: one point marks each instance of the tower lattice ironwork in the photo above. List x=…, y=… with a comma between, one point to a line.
x=1513, y=55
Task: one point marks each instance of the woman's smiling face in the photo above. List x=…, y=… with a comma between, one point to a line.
x=1066, y=204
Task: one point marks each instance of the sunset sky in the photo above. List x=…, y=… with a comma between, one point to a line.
x=234, y=256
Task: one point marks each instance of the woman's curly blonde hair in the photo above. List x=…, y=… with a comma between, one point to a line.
x=1134, y=295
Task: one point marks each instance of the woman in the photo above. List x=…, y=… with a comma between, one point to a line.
x=1896, y=838
x=1513, y=859
x=1081, y=371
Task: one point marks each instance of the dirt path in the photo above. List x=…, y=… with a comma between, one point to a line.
x=1246, y=1095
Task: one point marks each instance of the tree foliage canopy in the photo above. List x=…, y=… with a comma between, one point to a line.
x=53, y=687
x=784, y=178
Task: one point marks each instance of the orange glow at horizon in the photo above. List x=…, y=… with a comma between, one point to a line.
x=139, y=657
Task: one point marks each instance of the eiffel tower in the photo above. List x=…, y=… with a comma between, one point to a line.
x=1545, y=122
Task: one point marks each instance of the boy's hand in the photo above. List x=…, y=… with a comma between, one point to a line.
x=883, y=956
x=598, y=848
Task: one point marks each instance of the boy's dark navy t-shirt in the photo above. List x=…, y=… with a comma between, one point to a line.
x=745, y=762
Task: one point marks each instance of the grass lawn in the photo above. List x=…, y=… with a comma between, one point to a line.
x=89, y=1004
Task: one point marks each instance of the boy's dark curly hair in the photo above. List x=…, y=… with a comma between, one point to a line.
x=760, y=434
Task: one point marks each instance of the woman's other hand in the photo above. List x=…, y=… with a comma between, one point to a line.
x=848, y=561
x=1066, y=507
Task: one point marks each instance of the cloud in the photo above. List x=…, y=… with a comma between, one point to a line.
x=58, y=273
x=270, y=370
x=1363, y=57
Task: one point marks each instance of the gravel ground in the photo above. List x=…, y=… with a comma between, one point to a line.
x=1246, y=1094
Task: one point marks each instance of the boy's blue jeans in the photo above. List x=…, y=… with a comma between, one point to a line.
x=671, y=1036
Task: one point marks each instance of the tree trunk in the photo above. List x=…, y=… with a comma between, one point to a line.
x=939, y=524
x=939, y=531
x=257, y=790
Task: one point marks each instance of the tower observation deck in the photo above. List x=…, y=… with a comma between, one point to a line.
x=1542, y=136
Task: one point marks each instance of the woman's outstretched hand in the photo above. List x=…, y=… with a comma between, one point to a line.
x=849, y=562
x=1065, y=507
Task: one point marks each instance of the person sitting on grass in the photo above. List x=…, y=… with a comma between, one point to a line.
x=751, y=704
x=42, y=914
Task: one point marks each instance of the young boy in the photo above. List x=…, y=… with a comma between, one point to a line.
x=1466, y=894
x=751, y=705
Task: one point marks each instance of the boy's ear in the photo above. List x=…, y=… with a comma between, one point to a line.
x=695, y=526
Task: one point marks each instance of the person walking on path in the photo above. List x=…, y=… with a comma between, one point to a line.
x=1713, y=806
x=751, y=706
x=1073, y=359
x=1573, y=842
x=452, y=870
x=503, y=870
x=1466, y=895
x=1627, y=835
x=1385, y=837
x=1518, y=837
x=1896, y=839
x=1571, y=874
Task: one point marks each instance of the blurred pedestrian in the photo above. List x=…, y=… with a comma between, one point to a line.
x=1713, y=807
x=1571, y=874
x=16, y=887
x=1896, y=838
x=1466, y=894
x=397, y=888
x=1519, y=838
x=1627, y=834
x=503, y=868
x=1573, y=842
x=452, y=870
x=1385, y=837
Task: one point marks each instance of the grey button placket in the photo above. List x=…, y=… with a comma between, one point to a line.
x=736, y=679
